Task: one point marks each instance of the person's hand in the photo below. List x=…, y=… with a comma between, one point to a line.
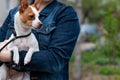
x=5, y=55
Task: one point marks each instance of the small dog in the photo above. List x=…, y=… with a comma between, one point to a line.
x=25, y=19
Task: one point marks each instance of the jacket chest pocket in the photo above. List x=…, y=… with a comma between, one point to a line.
x=44, y=35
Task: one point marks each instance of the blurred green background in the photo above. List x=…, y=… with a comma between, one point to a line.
x=97, y=54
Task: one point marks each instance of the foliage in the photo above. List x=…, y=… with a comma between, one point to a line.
x=98, y=9
x=98, y=58
x=109, y=70
x=105, y=12
x=72, y=3
x=72, y=58
x=105, y=61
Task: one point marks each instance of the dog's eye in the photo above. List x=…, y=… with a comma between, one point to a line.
x=31, y=16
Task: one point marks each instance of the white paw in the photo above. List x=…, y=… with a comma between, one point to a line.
x=26, y=60
x=16, y=60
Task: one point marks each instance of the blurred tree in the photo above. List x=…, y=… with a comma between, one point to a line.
x=95, y=10
x=77, y=62
x=105, y=13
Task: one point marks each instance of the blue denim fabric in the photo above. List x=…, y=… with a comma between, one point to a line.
x=56, y=39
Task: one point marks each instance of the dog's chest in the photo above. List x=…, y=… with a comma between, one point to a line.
x=22, y=44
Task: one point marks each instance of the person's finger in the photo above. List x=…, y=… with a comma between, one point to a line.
x=3, y=43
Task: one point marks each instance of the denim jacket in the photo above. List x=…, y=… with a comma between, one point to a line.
x=56, y=39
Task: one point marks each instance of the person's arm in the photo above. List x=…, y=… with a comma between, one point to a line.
x=60, y=48
x=3, y=30
x=4, y=27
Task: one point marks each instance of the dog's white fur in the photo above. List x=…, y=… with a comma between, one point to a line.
x=29, y=44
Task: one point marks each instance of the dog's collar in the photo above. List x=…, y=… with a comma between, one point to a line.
x=22, y=36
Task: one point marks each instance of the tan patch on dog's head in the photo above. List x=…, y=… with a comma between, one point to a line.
x=27, y=16
x=23, y=5
x=26, y=13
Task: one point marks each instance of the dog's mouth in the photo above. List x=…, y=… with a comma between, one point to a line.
x=38, y=27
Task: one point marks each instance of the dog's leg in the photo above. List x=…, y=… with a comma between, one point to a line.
x=15, y=55
x=28, y=56
x=3, y=72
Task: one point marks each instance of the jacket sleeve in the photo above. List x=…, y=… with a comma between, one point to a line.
x=60, y=48
x=4, y=27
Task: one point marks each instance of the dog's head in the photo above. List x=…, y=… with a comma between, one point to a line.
x=29, y=14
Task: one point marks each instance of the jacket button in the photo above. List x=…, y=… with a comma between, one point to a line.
x=46, y=29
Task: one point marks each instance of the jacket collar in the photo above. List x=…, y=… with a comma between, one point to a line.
x=48, y=8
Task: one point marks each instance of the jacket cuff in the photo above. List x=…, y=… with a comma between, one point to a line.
x=12, y=64
x=20, y=66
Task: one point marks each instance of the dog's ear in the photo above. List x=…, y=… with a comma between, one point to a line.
x=23, y=5
x=37, y=4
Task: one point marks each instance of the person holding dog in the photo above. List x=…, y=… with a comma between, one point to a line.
x=56, y=39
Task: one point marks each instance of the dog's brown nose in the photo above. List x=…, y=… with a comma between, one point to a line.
x=39, y=25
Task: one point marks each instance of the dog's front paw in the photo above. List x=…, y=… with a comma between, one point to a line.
x=16, y=60
x=27, y=60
